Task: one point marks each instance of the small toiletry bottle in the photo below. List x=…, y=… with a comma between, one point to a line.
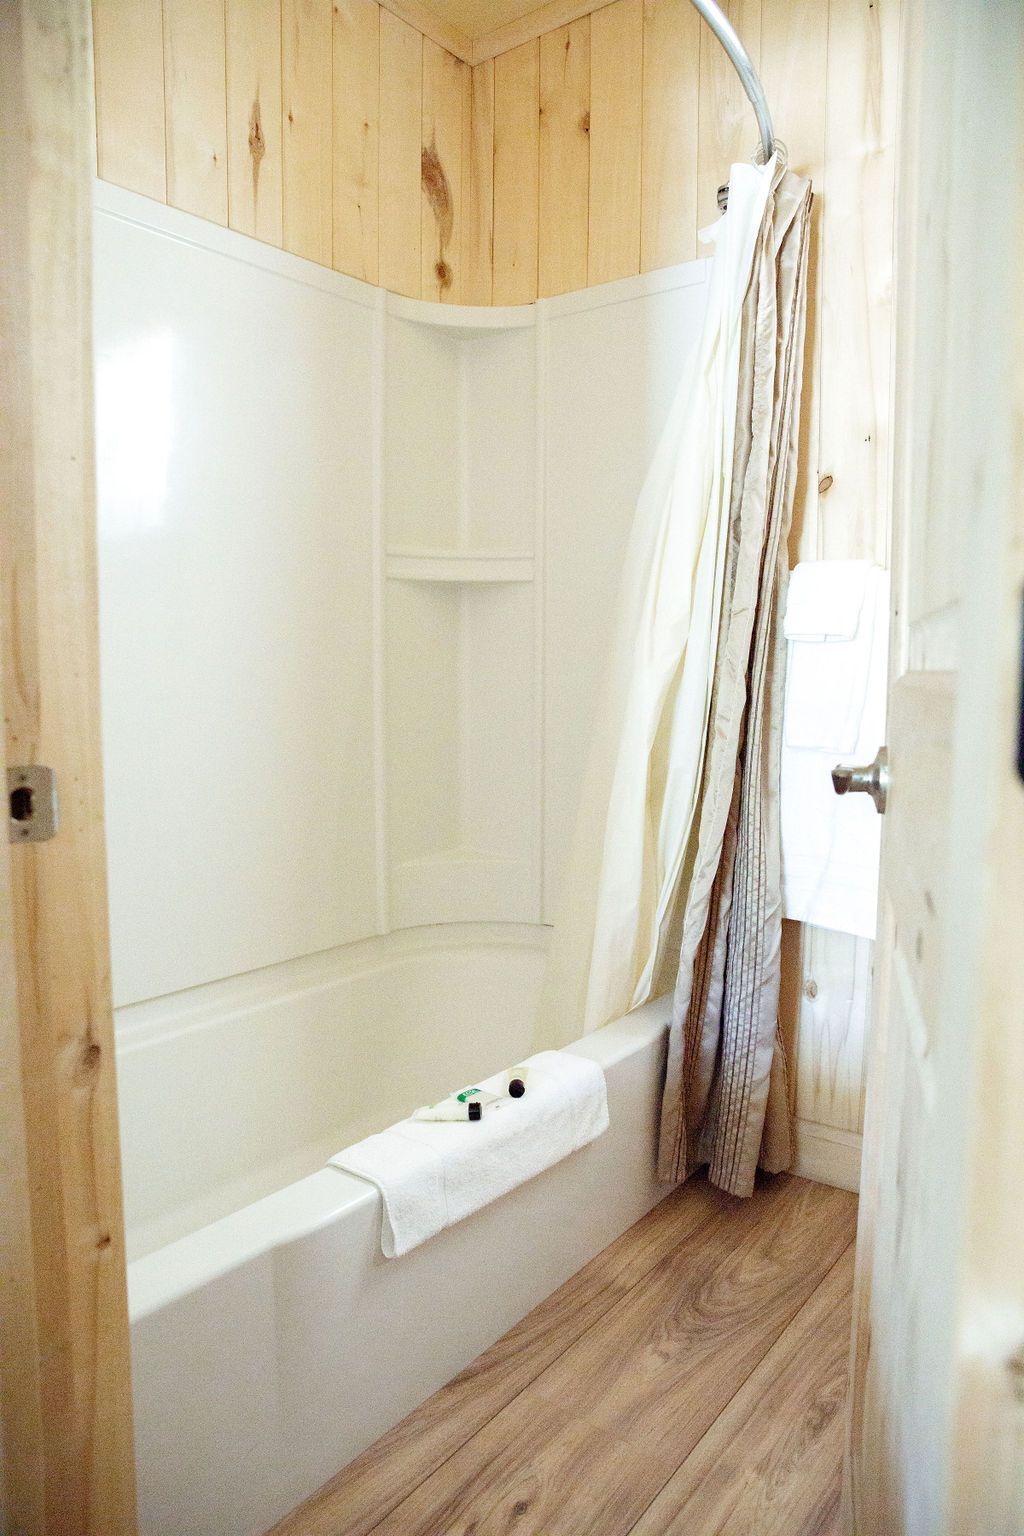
x=515, y=1081
x=479, y=1097
x=452, y=1109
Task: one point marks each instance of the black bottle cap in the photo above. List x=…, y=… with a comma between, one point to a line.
x=516, y=1088
x=475, y=1110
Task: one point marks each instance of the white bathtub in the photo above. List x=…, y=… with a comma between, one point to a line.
x=273, y=1344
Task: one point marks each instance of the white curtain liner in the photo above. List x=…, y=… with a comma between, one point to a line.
x=641, y=786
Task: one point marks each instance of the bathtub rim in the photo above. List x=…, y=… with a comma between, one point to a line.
x=311, y=1203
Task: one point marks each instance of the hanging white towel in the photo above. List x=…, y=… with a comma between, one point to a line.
x=829, y=624
x=835, y=708
x=433, y=1174
x=825, y=599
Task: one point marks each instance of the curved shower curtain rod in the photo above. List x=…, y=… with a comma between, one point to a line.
x=729, y=38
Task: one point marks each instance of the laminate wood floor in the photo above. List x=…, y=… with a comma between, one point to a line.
x=689, y=1381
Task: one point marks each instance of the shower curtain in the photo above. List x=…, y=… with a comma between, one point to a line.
x=726, y=1099
x=675, y=878
x=640, y=790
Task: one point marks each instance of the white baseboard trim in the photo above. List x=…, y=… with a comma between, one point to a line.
x=827, y=1155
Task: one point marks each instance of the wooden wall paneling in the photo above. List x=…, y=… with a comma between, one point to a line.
x=467, y=279
x=306, y=101
x=195, y=107
x=835, y=998
x=616, y=116
x=794, y=69
x=67, y=1411
x=671, y=91
x=830, y=1003
x=564, y=181
x=401, y=97
x=128, y=59
x=254, y=118
x=856, y=277
x=516, y=174
x=356, y=137
x=478, y=160
x=445, y=84
x=726, y=128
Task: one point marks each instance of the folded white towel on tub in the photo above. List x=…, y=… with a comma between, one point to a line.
x=432, y=1174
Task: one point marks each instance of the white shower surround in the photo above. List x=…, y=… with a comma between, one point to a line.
x=371, y=561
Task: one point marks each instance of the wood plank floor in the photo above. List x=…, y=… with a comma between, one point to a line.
x=690, y=1379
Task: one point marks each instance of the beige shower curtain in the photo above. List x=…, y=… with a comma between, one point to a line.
x=726, y=1099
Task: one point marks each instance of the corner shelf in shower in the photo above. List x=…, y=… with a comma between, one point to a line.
x=458, y=567
x=467, y=320
x=460, y=618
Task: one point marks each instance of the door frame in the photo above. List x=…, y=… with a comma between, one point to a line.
x=65, y=1390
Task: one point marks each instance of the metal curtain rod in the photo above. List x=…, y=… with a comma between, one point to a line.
x=729, y=38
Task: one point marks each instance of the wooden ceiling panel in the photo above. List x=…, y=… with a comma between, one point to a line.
x=475, y=17
x=480, y=29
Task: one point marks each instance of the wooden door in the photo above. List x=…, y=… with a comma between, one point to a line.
x=936, y=1442
x=65, y=1400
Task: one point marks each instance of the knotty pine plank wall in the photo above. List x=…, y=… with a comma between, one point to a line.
x=332, y=130
x=589, y=153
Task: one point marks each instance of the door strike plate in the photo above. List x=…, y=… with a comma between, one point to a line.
x=31, y=804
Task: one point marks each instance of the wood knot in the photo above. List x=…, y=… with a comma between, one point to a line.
x=437, y=192
x=444, y=275
x=519, y=1508
x=257, y=143
x=810, y=987
x=824, y=484
x=88, y=1064
x=585, y=122
x=103, y=1241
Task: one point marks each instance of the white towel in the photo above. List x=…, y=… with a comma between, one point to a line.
x=825, y=598
x=835, y=709
x=830, y=624
x=433, y=1174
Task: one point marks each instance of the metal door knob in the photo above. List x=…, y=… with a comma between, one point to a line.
x=870, y=779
